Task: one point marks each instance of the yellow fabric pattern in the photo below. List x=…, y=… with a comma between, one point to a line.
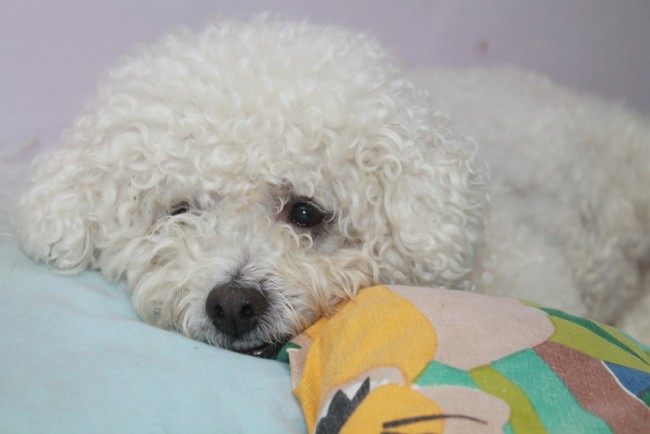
x=347, y=345
x=406, y=359
x=403, y=410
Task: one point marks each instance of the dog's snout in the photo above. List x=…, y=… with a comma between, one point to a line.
x=235, y=308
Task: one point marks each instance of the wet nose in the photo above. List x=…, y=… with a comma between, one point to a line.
x=235, y=308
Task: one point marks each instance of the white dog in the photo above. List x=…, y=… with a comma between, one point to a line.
x=244, y=179
x=570, y=195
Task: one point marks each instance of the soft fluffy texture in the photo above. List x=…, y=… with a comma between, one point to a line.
x=233, y=126
x=193, y=167
x=569, y=218
x=398, y=359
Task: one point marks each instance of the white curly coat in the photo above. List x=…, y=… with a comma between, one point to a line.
x=570, y=193
x=182, y=174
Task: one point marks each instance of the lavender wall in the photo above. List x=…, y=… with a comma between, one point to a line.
x=52, y=53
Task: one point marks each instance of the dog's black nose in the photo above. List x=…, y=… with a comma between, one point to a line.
x=235, y=308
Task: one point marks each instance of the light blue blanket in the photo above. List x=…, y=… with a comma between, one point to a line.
x=75, y=358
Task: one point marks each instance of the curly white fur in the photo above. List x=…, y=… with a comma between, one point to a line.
x=570, y=207
x=237, y=123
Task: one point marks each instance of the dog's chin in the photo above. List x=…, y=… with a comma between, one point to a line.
x=264, y=350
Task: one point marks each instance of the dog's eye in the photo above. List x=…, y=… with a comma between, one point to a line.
x=305, y=214
x=179, y=208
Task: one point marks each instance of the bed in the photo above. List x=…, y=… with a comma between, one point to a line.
x=76, y=359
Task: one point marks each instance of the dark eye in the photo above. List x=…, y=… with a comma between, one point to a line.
x=305, y=215
x=179, y=208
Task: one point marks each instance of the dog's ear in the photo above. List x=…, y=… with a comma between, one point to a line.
x=435, y=210
x=54, y=219
x=428, y=217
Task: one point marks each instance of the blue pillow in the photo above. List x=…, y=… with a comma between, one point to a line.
x=75, y=358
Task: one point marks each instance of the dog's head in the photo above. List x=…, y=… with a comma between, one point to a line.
x=245, y=179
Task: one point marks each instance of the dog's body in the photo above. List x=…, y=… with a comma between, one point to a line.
x=245, y=179
x=569, y=222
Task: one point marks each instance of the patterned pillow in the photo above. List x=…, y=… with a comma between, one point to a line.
x=408, y=359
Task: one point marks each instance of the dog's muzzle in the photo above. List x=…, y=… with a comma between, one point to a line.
x=235, y=309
